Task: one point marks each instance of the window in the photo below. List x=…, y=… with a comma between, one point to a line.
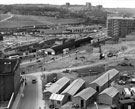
x=97, y=88
x=58, y=102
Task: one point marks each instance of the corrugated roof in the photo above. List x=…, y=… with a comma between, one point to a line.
x=111, y=91
x=56, y=87
x=56, y=97
x=122, y=18
x=82, y=27
x=86, y=93
x=74, y=86
x=105, y=77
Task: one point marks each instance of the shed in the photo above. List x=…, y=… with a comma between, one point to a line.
x=85, y=97
x=109, y=96
x=104, y=81
x=57, y=87
x=127, y=104
x=76, y=86
x=57, y=100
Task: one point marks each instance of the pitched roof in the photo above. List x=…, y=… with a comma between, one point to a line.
x=105, y=77
x=56, y=97
x=86, y=93
x=74, y=86
x=111, y=91
x=58, y=85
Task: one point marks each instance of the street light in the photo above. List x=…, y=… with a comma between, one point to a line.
x=96, y=105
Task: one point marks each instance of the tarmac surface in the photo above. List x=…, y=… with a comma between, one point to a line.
x=33, y=94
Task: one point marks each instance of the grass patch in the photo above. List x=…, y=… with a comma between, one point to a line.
x=24, y=20
x=3, y=16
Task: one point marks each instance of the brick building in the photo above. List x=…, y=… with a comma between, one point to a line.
x=9, y=78
x=119, y=27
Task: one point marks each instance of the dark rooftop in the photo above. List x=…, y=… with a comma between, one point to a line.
x=8, y=66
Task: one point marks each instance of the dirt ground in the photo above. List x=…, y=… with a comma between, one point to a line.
x=84, y=57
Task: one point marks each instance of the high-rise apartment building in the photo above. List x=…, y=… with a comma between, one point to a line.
x=119, y=27
x=88, y=5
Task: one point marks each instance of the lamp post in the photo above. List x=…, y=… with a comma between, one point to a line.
x=96, y=105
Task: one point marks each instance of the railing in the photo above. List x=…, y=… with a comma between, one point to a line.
x=9, y=103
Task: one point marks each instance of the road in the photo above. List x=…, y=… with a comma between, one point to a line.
x=33, y=94
x=28, y=63
x=7, y=18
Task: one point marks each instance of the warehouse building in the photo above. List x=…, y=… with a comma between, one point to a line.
x=76, y=86
x=104, y=81
x=85, y=97
x=57, y=87
x=57, y=100
x=109, y=96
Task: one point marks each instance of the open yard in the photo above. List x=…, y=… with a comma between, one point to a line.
x=83, y=57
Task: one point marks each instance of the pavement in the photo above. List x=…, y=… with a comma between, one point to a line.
x=18, y=97
x=32, y=94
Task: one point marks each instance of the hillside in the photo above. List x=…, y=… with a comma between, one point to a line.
x=3, y=16
x=24, y=20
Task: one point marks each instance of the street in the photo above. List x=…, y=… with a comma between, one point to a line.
x=33, y=94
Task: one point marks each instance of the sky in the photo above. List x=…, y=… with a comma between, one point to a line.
x=105, y=3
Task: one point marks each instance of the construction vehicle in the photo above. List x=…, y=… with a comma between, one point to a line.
x=112, y=53
x=101, y=56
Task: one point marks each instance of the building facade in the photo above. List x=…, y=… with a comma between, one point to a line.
x=88, y=5
x=84, y=98
x=104, y=80
x=119, y=27
x=9, y=78
x=109, y=96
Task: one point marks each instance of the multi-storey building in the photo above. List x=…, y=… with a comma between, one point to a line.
x=9, y=78
x=119, y=27
x=88, y=5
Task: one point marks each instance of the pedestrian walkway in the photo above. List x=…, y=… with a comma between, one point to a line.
x=18, y=97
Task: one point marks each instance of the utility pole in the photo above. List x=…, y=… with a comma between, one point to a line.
x=99, y=45
x=108, y=79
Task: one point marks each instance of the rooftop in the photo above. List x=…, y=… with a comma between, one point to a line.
x=86, y=93
x=8, y=66
x=111, y=91
x=105, y=77
x=54, y=88
x=74, y=86
x=122, y=18
x=84, y=27
x=57, y=97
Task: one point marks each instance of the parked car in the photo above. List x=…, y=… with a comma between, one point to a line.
x=34, y=81
x=111, y=54
x=121, y=82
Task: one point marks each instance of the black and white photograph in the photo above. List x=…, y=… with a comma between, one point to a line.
x=67, y=54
